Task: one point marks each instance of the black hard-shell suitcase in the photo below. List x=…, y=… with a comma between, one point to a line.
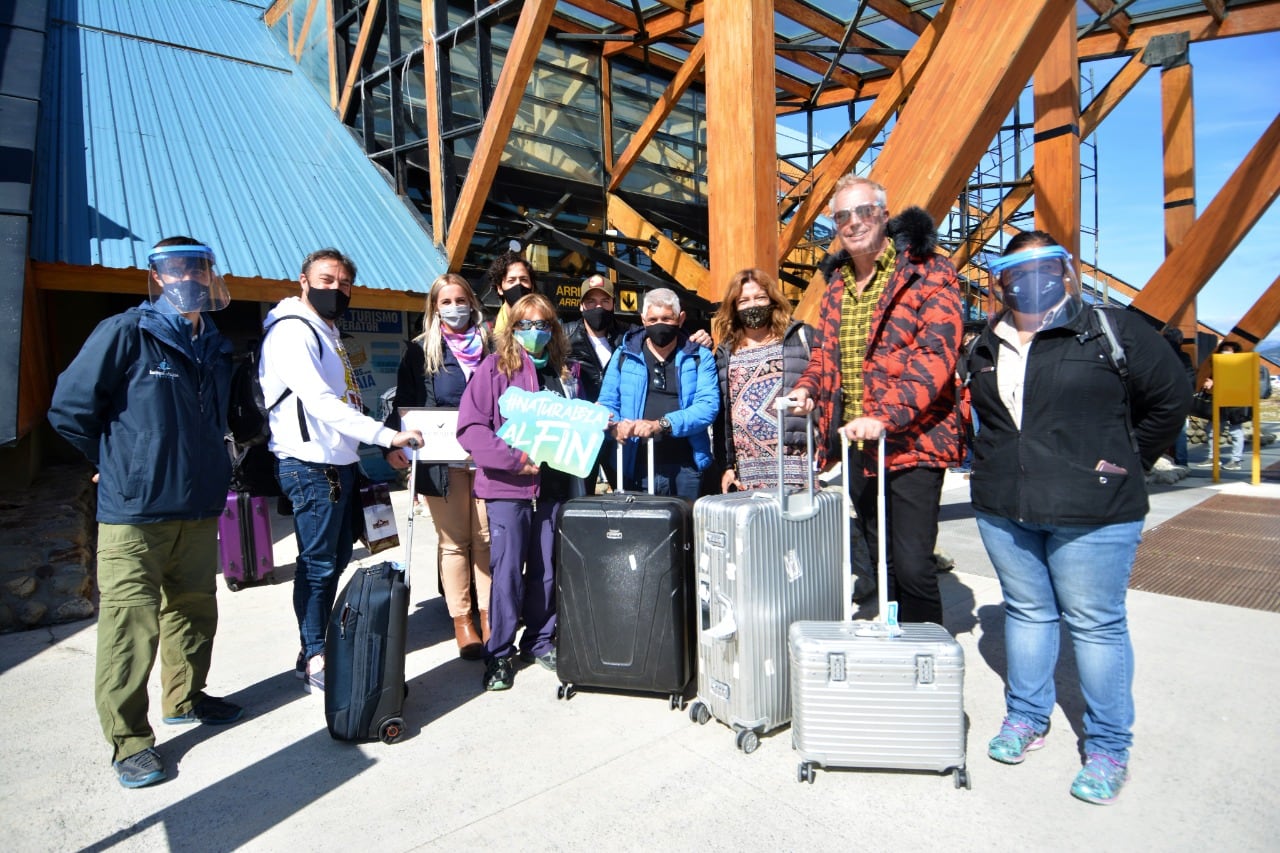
x=624, y=584
x=365, y=649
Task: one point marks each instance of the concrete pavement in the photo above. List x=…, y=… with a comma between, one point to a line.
x=521, y=770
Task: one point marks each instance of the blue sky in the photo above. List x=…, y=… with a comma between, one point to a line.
x=1236, y=97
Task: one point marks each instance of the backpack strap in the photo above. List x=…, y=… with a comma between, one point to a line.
x=302, y=421
x=1114, y=352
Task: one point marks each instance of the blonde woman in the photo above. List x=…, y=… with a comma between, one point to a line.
x=522, y=498
x=434, y=372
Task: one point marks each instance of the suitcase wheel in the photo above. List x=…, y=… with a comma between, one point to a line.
x=675, y=702
x=747, y=741
x=699, y=713
x=566, y=691
x=234, y=586
x=962, y=778
x=805, y=772
x=391, y=730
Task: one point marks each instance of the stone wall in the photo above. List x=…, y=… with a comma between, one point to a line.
x=48, y=539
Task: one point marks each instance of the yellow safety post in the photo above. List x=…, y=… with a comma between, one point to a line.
x=1235, y=383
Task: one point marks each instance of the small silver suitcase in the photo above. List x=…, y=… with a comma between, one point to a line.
x=763, y=560
x=877, y=694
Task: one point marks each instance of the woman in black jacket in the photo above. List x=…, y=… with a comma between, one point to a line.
x=760, y=354
x=1059, y=493
x=434, y=372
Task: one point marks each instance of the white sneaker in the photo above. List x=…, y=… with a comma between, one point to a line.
x=315, y=674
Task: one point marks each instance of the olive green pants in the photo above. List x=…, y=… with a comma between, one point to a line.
x=156, y=586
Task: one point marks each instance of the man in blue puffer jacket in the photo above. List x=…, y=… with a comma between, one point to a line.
x=661, y=385
x=145, y=401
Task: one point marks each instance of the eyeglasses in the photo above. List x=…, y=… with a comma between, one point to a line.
x=862, y=211
x=335, y=485
x=526, y=325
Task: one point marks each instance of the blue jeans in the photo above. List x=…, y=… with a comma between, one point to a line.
x=322, y=527
x=1081, y=573
x=683, y=481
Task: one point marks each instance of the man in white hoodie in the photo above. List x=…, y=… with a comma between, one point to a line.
x=317, y=425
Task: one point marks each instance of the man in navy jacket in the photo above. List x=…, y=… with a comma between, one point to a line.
x=145, y=401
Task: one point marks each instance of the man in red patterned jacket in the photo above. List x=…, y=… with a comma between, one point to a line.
x=885, y=353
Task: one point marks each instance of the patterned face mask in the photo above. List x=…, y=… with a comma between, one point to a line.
x=755, y=316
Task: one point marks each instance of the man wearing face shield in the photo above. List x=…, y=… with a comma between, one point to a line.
x=661, y=384
x=145, y=401
x=316, y=432
x=1060, y=497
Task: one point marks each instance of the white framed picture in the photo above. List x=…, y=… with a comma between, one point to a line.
x=439, y=428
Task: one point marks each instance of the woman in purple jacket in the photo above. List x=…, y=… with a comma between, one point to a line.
x=522, y=498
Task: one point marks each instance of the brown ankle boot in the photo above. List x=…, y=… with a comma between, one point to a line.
x=469, y=645
x=484, y=625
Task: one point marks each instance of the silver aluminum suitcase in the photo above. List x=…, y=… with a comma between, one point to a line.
x=877, y=694
x=763, y=560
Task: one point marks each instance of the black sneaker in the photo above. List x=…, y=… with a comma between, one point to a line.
x=209, y=710
x=548, y=660
x=140, y=769
x=499, y=674
x=300, y=666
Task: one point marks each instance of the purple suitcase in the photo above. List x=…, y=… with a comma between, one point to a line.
x=244, y=542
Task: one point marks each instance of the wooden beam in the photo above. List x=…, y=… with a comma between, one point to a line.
x=302, y=33
x=660, y=26
x=277, y=10
x=659, y=114
x=1119, y=22
x=829, y=27
x=530, y=29
x=1234, y=210
x=333, y=55
x=899, y=13
x=1056, y=94
x=678, y=263
x=742, y=147
x=1178, y=129
x=363, y=41
x=435, y=144
x=815, y=189
x=1217, y=9
x=68, y=277
x=1260, y=320
x=609, y=11
x=962, y=97
x=606, y=114
x=1245, y=20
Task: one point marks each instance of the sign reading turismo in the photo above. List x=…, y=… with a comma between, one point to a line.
x=565, y=434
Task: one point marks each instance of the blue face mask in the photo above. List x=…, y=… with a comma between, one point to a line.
x=534, y=341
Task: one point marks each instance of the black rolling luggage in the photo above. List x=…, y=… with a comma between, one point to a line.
x=365, y=650
x=624, y=583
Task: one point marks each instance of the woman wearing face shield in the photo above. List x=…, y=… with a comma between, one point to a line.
x=434, y=372
x=1059, y=494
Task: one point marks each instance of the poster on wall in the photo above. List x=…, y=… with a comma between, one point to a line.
x=375, y=341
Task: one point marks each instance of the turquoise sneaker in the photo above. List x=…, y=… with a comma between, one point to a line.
x=1013, y=743
x=1100, y=780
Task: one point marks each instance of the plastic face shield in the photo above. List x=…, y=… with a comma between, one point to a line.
x=185, y=279
x=1038, y=283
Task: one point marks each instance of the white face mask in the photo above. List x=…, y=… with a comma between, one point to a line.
x=456, y=317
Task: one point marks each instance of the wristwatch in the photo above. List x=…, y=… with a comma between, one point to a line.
x=664, y=425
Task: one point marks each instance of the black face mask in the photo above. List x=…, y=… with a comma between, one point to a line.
x=514, y=294
x=756, y=316
x=661, y=333
x=598, y=319
x=329, y=304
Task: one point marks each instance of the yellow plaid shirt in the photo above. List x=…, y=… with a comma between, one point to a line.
x=856, y=312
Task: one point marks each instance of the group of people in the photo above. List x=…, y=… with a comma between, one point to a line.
x=1057, y=483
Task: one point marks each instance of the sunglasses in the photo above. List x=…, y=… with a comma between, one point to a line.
x=335, y=485
x=862, y=211
x=526, y=325
x=660, y=377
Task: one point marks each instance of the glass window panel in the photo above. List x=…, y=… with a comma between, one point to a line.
x=413, y=100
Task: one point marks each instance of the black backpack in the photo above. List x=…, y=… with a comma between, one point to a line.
x=248, y=413
x=252, y=464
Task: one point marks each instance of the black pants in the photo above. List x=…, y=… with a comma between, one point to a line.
x=911, y=518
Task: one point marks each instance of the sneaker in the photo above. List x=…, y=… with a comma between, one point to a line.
x=547, y=660
x=140, y=769
x=209, y=710
x=1233, y=465
x=300, y=666
x=1014, y=741
x=1100, y=780
x=498, y=674
x=315, y=674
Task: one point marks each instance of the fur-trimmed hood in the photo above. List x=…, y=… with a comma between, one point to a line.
x=913, y=232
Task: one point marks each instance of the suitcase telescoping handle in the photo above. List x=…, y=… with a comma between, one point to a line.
x=414, y=444
x=781, y=405
x=886, y=622
x=648, y=453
